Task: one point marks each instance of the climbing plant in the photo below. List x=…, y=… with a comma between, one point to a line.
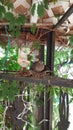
x=15, y=22
x=6, y=13
x=9, y=89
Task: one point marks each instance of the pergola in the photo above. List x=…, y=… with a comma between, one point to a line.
x=50, y=34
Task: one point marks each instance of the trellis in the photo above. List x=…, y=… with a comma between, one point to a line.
x=50, y=80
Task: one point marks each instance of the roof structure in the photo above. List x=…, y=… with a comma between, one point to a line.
x=51, y=17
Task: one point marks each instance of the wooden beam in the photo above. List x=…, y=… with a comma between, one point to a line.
x=50, y=50
x=65, y=16
x=29, y=25
x=60, y=82
x=50, y=80
x=41, y=107
x=48, y=107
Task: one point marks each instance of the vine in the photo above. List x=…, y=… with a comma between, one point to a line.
x=9, y=90
x=6, y=9
x=7, y=51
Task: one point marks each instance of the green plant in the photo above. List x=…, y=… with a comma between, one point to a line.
x=9, y=59
x=14, y=21
x=8, y=90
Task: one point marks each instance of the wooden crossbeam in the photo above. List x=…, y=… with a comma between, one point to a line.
x=50, y=80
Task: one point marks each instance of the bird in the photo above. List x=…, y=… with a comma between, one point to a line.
x=38, y=66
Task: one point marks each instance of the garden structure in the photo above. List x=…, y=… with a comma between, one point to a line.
x=18, y=112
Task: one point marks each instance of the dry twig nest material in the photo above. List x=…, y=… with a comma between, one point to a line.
x=36, y=71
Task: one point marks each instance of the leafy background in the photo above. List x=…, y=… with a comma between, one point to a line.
x=63, y=59
x=8, y=90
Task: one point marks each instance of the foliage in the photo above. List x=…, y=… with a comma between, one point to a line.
x=2, y=11
x=33, y=9
x=15, y=22
x=11, y=61
x=71, y=40
x=55, y=1
x=9, y=16
x=46, y=4
x=8, y=90
x=63, y=58
x=40, y=10
x=33, y=28
x=40, y=7
x=1, y=111
x=5, y=2
x=63, y=62
x=57, y=16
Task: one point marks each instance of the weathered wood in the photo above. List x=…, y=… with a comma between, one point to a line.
x=65, y=16
x=51, y=80
x=50, y=64
x=39, y=25
x=50, y=50
x=41, y=53
x=61, y=82
x=41, y=107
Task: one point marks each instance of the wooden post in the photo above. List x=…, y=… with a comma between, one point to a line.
x=48, y=107
x=50, y=51
x=41, y=107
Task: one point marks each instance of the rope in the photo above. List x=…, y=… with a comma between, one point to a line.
x=63, y=111
x=7, y=50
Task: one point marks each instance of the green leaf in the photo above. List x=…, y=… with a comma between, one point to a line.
x=11, y=97
x=40, y=10
x=20, y=19
x=12, y=25
x=2, y=9
x=33, y=28
x=72, y=52
x=10, y=6
x=55, y=1
x=71, y=40
x=5, y=92
x=57, y=16
x=17, y=32
x=13, y=33
x=5, y=2
x=52, y=92
x=71, y=100
x=33, y=9
x=0, y=15
x=9, y=16
x=40, y=88
x=1, y=108
x=46, y=4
